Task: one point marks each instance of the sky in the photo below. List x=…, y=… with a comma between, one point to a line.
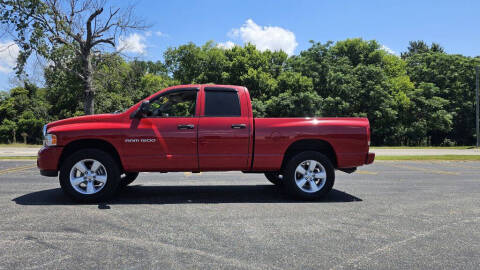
x=290, y=25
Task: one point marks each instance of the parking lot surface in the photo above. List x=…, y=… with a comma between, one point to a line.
x=389, y=215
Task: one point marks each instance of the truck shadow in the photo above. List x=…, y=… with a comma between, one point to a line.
x=185, y=194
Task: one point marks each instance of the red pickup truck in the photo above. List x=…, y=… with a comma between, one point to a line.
x=200, y=128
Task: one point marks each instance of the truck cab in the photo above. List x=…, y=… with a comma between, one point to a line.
x=190, y=128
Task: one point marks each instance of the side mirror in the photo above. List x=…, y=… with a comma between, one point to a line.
x=142, y=110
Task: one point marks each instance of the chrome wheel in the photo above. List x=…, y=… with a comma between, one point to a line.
x=310, y=176
x=88, y=176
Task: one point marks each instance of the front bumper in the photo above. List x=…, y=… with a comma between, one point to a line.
x=370, y=158
x=47, y=160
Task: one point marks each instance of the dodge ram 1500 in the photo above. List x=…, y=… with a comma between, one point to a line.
x=200, y=128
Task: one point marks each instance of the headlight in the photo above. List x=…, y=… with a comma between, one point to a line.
x=50, y=140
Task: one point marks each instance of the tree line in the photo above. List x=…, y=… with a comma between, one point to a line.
x=425, y=96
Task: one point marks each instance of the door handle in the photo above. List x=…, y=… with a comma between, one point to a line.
x=239, y=126
x=189, y=126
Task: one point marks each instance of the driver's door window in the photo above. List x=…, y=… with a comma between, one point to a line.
x=174, y=104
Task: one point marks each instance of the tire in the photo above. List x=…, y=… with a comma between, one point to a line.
x=128, y=178
x=84, y=183
x=274, y=177
x=311, y=185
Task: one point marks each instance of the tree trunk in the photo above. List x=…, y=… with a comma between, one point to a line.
x=89, y=102
x=89, y=92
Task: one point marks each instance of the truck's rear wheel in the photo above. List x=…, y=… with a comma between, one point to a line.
x=309, y=175
x=89, y=175
x=128, y=178
x=274, y=177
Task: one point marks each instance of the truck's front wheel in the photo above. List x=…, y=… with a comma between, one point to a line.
x=89, y=175
x=309, y=175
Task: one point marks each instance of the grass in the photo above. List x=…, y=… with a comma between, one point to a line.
x=19, y=157
x=20, y=145
x=436, y=157
x=422, y=147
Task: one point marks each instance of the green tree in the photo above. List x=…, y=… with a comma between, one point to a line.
x=424, y=97
x=419, y=47
x=289, y=104
x=245, y=66
x=8, y=129
x=23, y=110
x=81, y=25
x=454, y=76
x=429, y=115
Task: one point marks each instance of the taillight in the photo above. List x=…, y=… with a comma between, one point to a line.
x=368, y=135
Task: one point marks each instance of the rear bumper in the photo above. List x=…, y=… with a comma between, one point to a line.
x=47, y=160
x=370, y=158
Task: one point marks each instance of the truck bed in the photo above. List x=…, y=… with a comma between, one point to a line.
x=273, y=136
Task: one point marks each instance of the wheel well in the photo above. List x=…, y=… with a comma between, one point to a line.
x=74, y=146
x=310, y=145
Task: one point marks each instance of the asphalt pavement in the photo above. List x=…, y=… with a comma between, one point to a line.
x=388, y=215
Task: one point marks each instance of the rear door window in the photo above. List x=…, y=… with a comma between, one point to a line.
x=221, y=102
